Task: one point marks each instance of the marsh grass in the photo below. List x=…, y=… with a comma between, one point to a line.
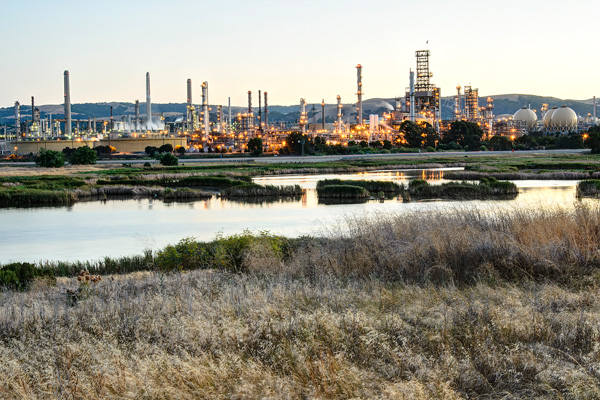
x=455, y=304
x=256, y=191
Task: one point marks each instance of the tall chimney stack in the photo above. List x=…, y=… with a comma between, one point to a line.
x=67, y=105
x=148, y=103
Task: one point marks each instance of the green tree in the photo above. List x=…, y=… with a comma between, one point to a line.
x=255, y=146
x=465, y=134
x=83, y=156
x=298, y=144
x=413, y=133
x=168, y=159
x=592, y=140
x=166, y=148
x=50, y=159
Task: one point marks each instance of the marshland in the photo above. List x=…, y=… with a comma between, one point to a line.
x=383, y=299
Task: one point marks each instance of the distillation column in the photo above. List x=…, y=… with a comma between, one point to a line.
x=266, y=113
x=339, y=114
x=359, y=108
x=205, y=110
x=148, y=104
x=67, y=105
x=303, y=115
x=17, y=120
x=412, y=96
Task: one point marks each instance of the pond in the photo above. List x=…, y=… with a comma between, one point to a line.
x=90, y=230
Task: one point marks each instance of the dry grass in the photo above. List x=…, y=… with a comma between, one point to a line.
x=463, y=304
x=207, y=334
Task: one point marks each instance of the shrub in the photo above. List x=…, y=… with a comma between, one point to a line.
x=166, y=148
x=343, y=192
x=20, y=275
x=180, y=150
x=83, y=156
x=50, y=159
x=151, y=150
x=168, y=159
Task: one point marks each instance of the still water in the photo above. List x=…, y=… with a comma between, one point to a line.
x=90, y=230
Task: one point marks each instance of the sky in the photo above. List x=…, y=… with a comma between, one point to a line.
x=301, y=49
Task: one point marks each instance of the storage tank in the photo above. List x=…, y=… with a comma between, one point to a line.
x=564, y=119
x=548, y=117
x=527, y=116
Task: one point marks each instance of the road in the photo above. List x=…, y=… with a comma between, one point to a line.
x=309, y=159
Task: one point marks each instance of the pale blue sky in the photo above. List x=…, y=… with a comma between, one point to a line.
x=294, y=49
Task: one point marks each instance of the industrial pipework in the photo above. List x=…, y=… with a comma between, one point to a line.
x=259, y=111
x=67, y=105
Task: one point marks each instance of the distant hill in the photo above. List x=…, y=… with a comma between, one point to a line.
x=503, y=104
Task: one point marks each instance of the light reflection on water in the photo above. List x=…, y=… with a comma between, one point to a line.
x=90, y=230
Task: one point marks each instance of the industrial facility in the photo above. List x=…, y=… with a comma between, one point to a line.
x=206, y=128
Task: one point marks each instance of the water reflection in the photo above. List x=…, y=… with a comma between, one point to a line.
x=121, y=227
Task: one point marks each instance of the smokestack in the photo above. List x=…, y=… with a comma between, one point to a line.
x=50, y=124
x=594, y=111
x=94, y=125
x=259, y=110
x=249, y=102
x=17, y=120
x=112, y=124
x=266, y=113
x=148, y=103
x=189, y=92
x=457, y=110
x=339, y=113
x=67, y=105
x=32, y=110
x=323, y=114
x=137, y=116
x=359, y=109
x=89, y=127
x=205, y=110
x=412, y=96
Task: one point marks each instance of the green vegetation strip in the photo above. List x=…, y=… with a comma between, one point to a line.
x=487, y=188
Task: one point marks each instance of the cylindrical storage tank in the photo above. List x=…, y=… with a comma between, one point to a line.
x=527, y=116
x=548, y=117
x=564, y=119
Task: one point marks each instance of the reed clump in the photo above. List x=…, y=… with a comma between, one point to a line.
x=588, y=188
x=487, y=188
x=254, y=190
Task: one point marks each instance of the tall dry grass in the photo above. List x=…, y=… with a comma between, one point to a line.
x=209, y=334
x=461, y=304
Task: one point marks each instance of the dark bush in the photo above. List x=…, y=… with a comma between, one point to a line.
x=83, y=156
x=50, y=159
x=168, y=159
x=20, y=275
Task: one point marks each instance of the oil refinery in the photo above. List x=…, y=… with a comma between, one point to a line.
x=204, y=127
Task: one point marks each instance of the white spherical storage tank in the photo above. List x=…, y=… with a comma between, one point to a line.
x=564, y=119
x=527, y=116
x=548, y=117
